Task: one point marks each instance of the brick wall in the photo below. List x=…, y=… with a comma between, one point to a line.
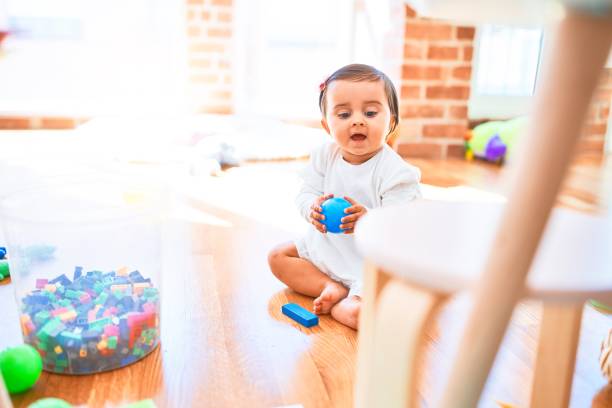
x=436, y=75
x=209, y=31
x=35, y=122
x=594, y=133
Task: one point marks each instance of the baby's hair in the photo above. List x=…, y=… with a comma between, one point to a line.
x=359, y=73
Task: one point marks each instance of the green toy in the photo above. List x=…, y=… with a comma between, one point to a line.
x=494, y=141
x=20, y=367
x=4, y=269
x=50, y=403
x=148, y=403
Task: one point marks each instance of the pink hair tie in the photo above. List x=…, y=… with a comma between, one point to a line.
x=322, y=86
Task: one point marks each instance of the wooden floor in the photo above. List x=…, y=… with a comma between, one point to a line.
x=225, y=342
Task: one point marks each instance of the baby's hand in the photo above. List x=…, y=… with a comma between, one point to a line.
x=315, y=213
x=357, y=211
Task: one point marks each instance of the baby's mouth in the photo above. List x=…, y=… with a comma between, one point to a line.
x=358, y=137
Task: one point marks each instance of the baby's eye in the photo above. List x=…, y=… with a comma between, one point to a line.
x=371, y=114
x=344, y=115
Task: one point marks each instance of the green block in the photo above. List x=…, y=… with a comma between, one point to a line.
x=111, y=343
x=41, y=317
x=4, y=269
x=100, y=300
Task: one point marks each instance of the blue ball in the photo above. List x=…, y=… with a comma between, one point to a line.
x=333, y=210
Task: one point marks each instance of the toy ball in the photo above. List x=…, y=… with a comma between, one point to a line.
x=333, y=210
x=20, y=367
x=50, y=403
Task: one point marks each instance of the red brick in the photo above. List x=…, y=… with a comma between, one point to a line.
x=595, y=129
x=422, y=111
x=222, y=109
x=11, y=122
x=193, y=31
x=219, y=32
x=421, y=72
x=204, y=78
x=207, y=47
x=421, y=150
x=57, y=123
x=223, y=95
x=224, y=17
x=200, y=63
x=465, y=33
x=411, y=92
x=462, y=72
x=413, y=51
x=458, y=112
x=454, y=131
x=455, y=151
x=442, y=53
x=448, y=92
x=428, y=31
x=603, y=94
x=591, y=146
x=468, y=53
x=410, y=12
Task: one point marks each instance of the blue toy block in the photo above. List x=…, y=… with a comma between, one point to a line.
x=78, y=271
x=300, y=315
x=62, y=280
x=2, y=252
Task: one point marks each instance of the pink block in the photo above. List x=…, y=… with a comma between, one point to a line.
x=59, y=311
x=40, y=283
x=111, y=330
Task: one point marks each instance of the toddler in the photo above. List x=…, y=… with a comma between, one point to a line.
x=359, y=111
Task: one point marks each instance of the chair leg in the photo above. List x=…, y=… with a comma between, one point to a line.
x=555, y=361
x=389, y=369
x=374, y=280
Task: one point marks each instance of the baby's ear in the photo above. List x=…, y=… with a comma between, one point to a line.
x=324, y=124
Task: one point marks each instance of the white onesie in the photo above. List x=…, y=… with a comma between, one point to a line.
x=384, y=180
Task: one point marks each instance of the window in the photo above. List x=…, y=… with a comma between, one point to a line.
x=87, y=57
x=506, y=66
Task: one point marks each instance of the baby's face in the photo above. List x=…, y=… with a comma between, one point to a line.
x=358, y=118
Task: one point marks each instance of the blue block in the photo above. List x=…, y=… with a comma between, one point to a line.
x=2, y=252
x=78, y=270
x=62, y=280
x=300, y=315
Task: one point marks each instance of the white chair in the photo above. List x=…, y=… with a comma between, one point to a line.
x=416, y=254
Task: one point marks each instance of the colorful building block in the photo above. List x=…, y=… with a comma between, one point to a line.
x=300, y=315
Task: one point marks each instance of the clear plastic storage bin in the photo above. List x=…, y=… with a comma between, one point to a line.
x=85, y=260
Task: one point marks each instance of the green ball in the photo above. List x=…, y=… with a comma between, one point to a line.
x=4, y=269
x=50, y=403
x=20, y=367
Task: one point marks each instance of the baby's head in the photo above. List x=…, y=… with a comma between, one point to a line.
x=360, y=110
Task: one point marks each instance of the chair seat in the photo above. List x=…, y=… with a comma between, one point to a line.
x=443, y=246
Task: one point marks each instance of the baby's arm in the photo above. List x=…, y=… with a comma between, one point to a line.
x=401, y=187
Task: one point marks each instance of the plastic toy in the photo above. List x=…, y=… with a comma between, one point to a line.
x=300, y=315
x=96, y=322
x=20, y=367
x=50, y=403
x=4, y=269
x=4, y=266
x=494, y=141
x=333, y=210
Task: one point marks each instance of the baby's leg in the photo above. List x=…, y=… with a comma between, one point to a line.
x=305, y=278
x=347, y=311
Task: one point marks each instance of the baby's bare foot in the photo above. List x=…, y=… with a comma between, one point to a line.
x=331, y=294
x=347, y=311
